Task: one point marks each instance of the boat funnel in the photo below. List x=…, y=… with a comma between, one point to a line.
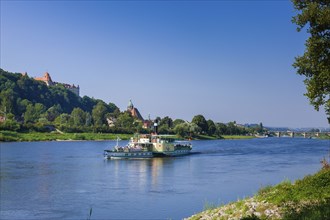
x=155, y=128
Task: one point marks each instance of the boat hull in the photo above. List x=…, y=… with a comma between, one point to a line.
x=128, y=155
x=175, y=153
x=143, y=155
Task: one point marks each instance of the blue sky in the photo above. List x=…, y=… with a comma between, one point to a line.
x=226, y=60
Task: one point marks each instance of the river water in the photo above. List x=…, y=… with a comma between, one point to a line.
x=65, y=180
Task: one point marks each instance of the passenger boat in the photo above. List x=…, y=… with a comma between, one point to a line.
x=148, y=146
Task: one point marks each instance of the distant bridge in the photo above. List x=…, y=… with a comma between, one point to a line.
x=299, y=133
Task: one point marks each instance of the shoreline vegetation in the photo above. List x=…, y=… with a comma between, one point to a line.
x=12, y=136
x=28, y=105
x=308, y=198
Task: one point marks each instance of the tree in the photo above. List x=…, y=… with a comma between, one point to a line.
x=125, y=120
x=232, y=128
x=211, y=127
x=221, y=129
x=165, y=125
x=200, y=121
x=314, y=64
x=181, y=129
x=88, y=103
x=260, y=129
x=53, y=112
x=178, y=121
x=78, y=116
x=158, y=119
x=98, y=114
x=88, y=121
x=7, y=98
x=10, y=124
x=186, y=129
x=166, y=121
x=33, y=112
x=113, y=108
x=63, y=119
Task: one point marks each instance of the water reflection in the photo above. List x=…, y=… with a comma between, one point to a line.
x=142, y=174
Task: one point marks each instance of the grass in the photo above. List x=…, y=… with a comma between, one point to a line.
x=308, y=198
x=324, y=136
x=52, y=136
x=237, y=137
x=230, y=137
x=311, y=188
x=209, y=206
x=205, y=137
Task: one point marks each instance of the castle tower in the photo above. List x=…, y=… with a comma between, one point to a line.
x=46, y=79
x=49, y=82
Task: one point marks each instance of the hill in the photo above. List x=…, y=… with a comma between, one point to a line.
x=26, y=100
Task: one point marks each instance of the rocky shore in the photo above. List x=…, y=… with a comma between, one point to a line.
x=250, y=207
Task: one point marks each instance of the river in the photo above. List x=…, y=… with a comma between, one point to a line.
x=65, y=180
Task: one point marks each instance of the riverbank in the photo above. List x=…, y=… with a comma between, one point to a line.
x=308, y=198
x=7, y=136
x=226, y=137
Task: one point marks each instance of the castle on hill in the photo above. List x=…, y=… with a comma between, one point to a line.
x=49, y=82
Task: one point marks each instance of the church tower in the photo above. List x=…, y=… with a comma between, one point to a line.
x=134, y=111
x=130, y=106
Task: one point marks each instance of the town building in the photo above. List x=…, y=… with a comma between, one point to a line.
x=136, y=114
x=49, y=82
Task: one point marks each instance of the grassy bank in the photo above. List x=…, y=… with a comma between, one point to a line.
x=53, y=136
x=324, y=136
x=229, y=137
x=308, y=198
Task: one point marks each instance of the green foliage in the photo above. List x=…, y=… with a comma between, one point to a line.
x=310, y=188
x=311, y=211
x=200, y=121
x=34, y=106
x=314, y=64
x=53, y=112
x=211, y=129
x=98, y=113
x=78, y=117
x=32, y=101
x=11, y=125
x=125, y=120
x=178, y=121
x=231, y=137
x=232, y=129
x=250, y=217
x=165, y=125
x=187, y=130
x=33, y=112
x=308, y=198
